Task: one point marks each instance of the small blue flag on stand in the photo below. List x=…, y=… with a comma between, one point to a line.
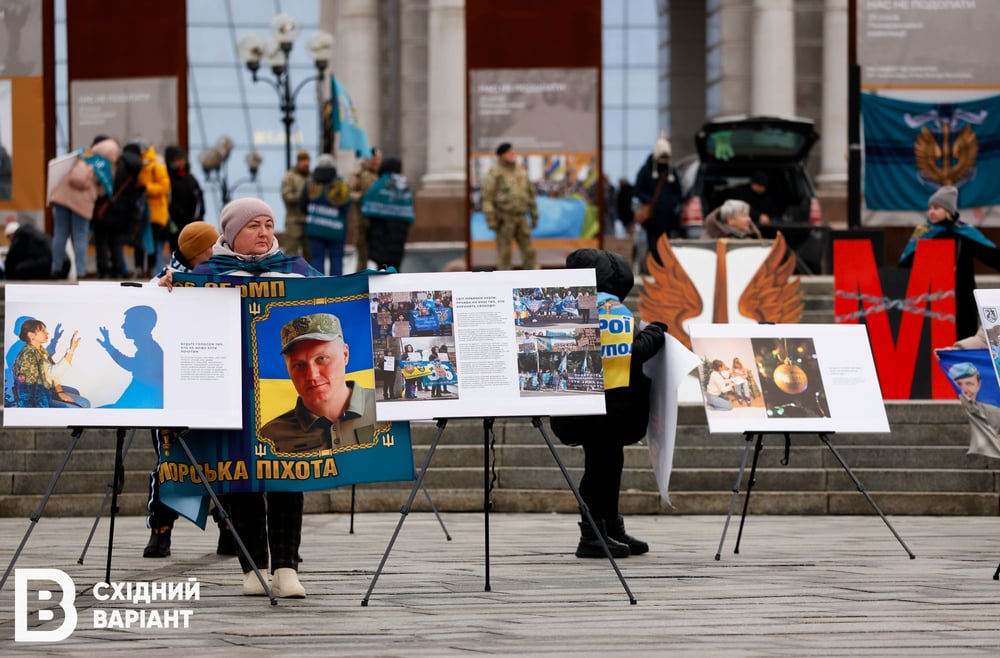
x=345, y=122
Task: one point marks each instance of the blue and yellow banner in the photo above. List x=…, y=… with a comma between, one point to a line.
x=287, y=442
x=912, y=149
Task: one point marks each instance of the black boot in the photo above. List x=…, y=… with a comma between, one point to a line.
x=159, y=543
x=590, y=543
x=616, y=530
x=226, y=545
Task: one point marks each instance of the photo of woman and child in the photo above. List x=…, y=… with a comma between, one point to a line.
x=729, y=386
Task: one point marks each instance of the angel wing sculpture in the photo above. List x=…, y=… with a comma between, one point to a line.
x=771, y=295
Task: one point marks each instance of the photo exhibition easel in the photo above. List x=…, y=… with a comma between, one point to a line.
x=430, y=502
x=487, y=436
x=115, y=487
x=757, y=447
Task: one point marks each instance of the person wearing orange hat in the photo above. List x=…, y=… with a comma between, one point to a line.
x=194, y=244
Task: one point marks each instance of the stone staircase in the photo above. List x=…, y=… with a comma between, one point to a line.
x=919, y=468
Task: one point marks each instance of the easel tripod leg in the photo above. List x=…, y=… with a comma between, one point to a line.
x=104, y=503
x=118, y=481
x=752, y=481
x=406, y=508
x=487, y=433
x=225, y=515
x=825, y=439
x=37, y=514
x=748, y=436
x=536, y=421
x=437, y=514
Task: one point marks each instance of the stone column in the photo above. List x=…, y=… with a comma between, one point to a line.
x=356, y=63
x=773, y=90
x=833, y=145
x=446, y=162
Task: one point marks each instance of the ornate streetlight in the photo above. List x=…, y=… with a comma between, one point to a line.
x=215, y=163
x=274, y=52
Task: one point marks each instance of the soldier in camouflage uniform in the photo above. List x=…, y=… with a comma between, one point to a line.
x=508, y=198
x=364, y=176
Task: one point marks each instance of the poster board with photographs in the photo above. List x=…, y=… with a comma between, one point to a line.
x=788, y=378
x=486, y=344
x=105, y=355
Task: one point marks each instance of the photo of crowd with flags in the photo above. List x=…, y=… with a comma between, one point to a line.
x=411, y=313
x=413, y=344
x=555, y=353
x=552, y=305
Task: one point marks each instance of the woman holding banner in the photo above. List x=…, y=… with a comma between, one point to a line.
x=269, y=523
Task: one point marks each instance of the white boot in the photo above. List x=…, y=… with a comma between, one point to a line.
x=286, y=585
x=252, y=585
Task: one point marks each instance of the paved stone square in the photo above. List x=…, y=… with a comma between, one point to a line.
x=801, y=586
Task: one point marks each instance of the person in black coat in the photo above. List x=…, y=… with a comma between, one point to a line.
x=30, y=254
x=659, y=183
x=388, y=227
x=627, y=407
x=187, y=203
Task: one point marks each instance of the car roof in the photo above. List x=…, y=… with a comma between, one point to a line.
x=763, y=139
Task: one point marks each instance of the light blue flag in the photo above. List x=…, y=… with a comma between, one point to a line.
x=912, y=149
x=345, y=122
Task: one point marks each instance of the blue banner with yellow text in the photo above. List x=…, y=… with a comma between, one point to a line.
x=308, y=405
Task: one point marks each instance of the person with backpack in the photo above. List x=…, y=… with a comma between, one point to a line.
x=325, y=199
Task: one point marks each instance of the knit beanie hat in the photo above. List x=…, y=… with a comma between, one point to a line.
x=195, y=238
x=662, y=147
x=946, y=197
x=238, y=213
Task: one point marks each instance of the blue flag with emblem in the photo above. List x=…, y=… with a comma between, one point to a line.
x=912, y=149
x=345, y=122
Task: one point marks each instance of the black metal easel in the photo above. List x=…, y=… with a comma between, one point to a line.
x=430, y=502
x=487, y=487
x=113, y=487
x=757, y=447
x=75, y=435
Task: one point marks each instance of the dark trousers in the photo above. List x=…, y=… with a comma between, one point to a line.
x=602, y=477
x=270, y=522
x=159, y=514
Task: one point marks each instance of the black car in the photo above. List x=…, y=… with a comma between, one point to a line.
x=731, y=150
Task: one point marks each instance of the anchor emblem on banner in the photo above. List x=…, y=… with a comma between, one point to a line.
x=953, y=159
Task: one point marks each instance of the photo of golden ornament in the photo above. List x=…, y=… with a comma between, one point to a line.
x=790, y=378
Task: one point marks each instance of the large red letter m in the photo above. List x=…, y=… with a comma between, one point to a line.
x=930, y=292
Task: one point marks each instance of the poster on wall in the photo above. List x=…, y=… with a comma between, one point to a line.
x=105, y=355
x=126, y=109
x=788, y=378
x=486, y=344
x=22, y=111
x=309, y=394
x=549, y=117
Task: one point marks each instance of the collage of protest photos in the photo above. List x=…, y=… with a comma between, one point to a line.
x=486, y=344
x=788, y=378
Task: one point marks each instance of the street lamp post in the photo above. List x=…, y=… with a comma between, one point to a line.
x=215, y=163
x=274, y=52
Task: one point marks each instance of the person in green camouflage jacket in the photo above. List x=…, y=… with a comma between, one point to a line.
x=508, y=199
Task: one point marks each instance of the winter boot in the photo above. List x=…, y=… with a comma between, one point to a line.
x=616, y=530
x=159, y=542
x=590, y=543
x=226, y=545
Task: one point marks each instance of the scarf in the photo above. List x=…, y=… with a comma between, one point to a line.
x=102, y=169
x=277, y=263
x=929, y=231
x=388, y=198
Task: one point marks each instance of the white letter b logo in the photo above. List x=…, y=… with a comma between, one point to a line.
x=65, y=583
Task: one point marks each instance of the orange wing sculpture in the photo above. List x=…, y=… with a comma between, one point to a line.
x=674, y=299
x=773, y=295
